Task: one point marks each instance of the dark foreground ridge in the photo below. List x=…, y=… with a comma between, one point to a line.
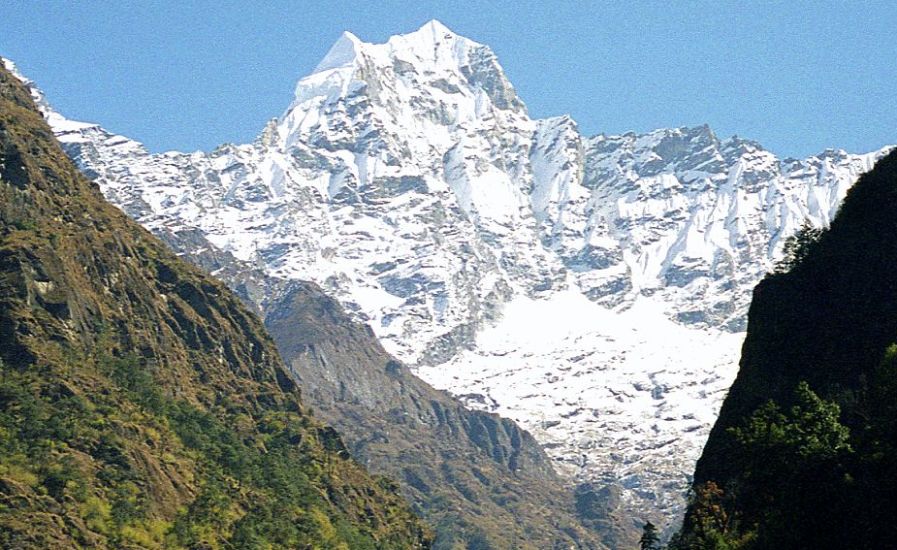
x=141, y=405
x=804, y=453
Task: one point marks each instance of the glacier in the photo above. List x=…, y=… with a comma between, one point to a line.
x=593, y=289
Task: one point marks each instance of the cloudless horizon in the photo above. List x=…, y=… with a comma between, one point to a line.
x=798, y=78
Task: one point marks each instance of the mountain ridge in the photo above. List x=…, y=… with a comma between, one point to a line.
x=425, y=199
x=818, y=365
x=142, y=404
x=477, y=478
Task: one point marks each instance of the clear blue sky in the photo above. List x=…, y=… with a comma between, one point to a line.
x=796, y=76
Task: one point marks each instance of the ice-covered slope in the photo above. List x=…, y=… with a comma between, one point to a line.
x=619, y=397
x=594, y=289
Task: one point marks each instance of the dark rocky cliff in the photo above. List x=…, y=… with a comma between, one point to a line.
x=827, y=321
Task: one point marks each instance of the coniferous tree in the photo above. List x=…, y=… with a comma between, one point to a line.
x=650, y=538
x=798, y=246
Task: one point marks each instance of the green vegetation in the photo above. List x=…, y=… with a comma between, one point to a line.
x=141, y=405
x=798, y=246
x=804, y=481
x=815, y=467
x=76, y=452
x=786, y=459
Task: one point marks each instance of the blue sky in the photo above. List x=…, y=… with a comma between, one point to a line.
x=798, y=77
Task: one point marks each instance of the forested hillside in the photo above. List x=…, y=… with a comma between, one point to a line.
x=140, y=404
x=804, y=454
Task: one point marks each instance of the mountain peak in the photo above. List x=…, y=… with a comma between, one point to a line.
x=447, y=62
x=435, y=25
x=435, y=31
x=430, y=36
x=427, y=41
x=341, y=54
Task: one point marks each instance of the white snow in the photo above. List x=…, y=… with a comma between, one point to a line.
x=594, y=289
x=632, y=383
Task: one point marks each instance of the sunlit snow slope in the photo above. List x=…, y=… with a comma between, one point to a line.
x=622, y=397
x=592, y=288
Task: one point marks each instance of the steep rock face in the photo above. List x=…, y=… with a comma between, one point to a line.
x=408, y=180
x=141, y=404
x=488, y=482
x=477, y=477
x=828, y=322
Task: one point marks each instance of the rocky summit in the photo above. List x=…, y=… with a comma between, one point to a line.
x=594, y=289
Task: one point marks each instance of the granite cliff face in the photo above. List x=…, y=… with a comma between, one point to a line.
x=528, y=269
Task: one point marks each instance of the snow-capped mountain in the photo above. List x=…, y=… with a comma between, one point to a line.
x=592, y=288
